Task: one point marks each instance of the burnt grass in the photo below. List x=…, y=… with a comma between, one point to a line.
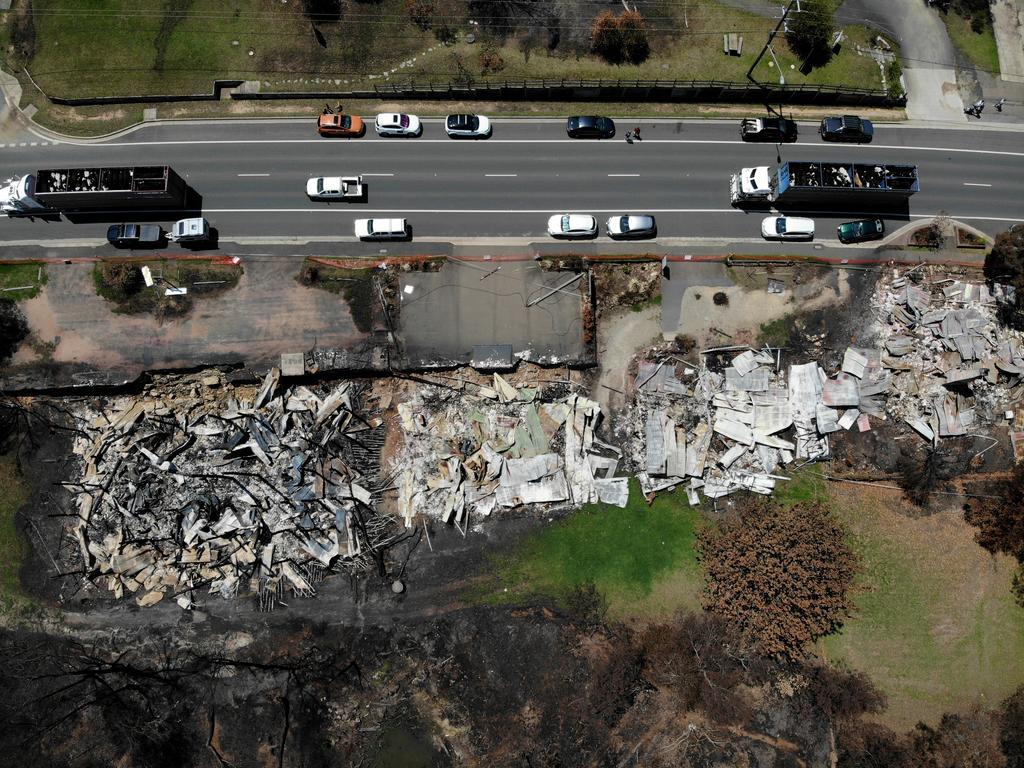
x=355, y=676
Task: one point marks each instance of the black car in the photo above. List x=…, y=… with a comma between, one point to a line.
x=850, y=128
x=590, y=127
x=135, y=235
x=773, y=129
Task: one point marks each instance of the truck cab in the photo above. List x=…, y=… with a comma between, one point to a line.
x=751, y=185
x=18, y=196
x=195, y=230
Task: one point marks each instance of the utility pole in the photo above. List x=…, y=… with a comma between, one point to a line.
x=767, y=46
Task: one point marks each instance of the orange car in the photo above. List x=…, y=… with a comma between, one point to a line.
x=340, y=125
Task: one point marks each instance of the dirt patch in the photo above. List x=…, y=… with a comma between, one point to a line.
x=736, y=314
x=620, y=336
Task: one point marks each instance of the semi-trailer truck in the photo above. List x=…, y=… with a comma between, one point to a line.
x=87, y=189
x=825, y=183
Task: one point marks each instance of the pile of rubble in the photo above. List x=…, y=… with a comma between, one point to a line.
x=944, y=367
x=474, y=448
x=198, y=489
x=953, y=364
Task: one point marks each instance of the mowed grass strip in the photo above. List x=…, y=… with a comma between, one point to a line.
x=936, y=627
x=27, y=277
x=641, y=558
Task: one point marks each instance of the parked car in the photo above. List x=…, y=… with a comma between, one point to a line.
x=397, y=124
x=195, y=230
x=849, y=128
x=467, y=126
x=858, y=231
x=381, y=229
x=572, y=225
x=787, y=228
x=340, y=125
x=590, y=127
x=135, y=235
x=773, y=129
x=334, y=187
x=628, y=225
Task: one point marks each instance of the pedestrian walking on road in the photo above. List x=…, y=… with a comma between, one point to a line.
x=636, y=133
x=629, y=137
x=327, y=109
x=999, y=104
x=338, y=108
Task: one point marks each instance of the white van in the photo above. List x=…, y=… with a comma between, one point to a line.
x=190, y=231
x=380, y=229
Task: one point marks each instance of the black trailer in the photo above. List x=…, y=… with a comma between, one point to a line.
x=120, y=187
x=823, y=183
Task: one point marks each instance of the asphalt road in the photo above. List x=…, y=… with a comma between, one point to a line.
x=251, y=175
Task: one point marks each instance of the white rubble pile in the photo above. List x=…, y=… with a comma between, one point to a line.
x=497, y=446
x=195, y=491
x=944, y=357
x=953, y=365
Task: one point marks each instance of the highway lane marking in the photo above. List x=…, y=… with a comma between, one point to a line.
x=618, y=175
x=254, y=174
x=378, y=174
x=817, y=147
x=501, y=175
x=975, y=184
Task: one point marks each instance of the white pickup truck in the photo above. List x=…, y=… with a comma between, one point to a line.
x=381, y=229
x=335, y=187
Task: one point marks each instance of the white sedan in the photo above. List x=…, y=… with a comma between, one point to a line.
x=572, y=225
x=787, y=228
x=396, y=124
x=463, y=126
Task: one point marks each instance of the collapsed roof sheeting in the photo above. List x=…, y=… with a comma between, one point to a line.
x=191, y=490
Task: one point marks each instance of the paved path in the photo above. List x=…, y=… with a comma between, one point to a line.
x=926, y=52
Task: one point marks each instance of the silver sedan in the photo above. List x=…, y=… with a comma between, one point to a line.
x=631, y=225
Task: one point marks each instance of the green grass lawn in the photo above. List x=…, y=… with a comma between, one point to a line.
x=936, y=627
x=26, y=273
x=641, y=558
x=114, y=47
x=12, y=547
x=979, y=48
x=693, y=54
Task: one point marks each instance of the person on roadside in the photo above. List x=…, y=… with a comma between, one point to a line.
x=636, y=133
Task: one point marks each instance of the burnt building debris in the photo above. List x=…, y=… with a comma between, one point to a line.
x=471, y=450
x=737, y=420
x=196, y=490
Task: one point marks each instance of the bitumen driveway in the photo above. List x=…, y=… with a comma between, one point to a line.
x=251, y=177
